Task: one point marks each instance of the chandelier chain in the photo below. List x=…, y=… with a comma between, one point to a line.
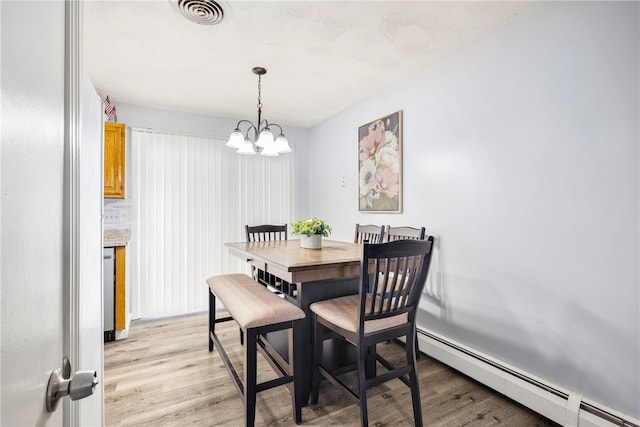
x=259, y=94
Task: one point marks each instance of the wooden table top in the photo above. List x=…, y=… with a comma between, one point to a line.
x=287, y=260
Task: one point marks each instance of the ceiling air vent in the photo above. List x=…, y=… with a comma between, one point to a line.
x=205, y=12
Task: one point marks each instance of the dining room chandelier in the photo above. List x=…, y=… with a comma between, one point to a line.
x=258, y=138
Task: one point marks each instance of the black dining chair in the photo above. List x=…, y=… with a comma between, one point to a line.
x=263, y=233
x=371, y=233
x=404, y=232
x=392, y=278
x=398, y=233
x=391, y=234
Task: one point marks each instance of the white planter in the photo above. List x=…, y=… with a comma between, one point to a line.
x=311, y=242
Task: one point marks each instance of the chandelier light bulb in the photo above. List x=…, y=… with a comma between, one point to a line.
x=282, y=144
x=269, y=150
x=236, y=139
x=246, y=148
x=265, y=139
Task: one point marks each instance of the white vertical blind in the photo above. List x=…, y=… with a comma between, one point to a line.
x=190, y=195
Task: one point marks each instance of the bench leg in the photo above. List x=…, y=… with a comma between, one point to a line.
x=212, y=318
x=250, y=377
x=298, y=395
x=316, y=360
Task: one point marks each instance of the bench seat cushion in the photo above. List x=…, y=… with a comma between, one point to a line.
x=250, y=304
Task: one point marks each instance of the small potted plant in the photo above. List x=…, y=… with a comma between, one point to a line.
x=311, y=231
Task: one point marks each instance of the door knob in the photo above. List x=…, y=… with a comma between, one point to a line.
x=62, y=384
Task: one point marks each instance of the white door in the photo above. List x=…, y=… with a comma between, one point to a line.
x=42, y=302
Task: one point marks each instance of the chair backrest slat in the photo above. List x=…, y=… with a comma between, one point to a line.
x=371, y=233
x=265, y=233
x=401, y=233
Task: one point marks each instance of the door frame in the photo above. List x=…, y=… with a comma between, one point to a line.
x=71, y=227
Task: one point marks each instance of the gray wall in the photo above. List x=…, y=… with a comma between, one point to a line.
x=521, y=154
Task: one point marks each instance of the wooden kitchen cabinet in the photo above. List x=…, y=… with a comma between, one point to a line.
x=114, y=146
x=120, y=289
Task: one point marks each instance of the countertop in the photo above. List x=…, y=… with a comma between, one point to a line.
x=116, y=237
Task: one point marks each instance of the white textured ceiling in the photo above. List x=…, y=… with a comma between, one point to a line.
x=321, y=56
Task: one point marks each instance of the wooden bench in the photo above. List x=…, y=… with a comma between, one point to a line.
x=258, y=311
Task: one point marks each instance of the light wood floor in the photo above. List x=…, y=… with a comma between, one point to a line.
x=164, y=375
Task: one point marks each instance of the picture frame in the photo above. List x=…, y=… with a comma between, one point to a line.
x=380, y=165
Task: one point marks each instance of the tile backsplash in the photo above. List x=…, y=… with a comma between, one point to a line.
x=117, y=213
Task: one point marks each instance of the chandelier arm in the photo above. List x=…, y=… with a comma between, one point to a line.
x=266, y=125
x=279, y=127
x=243, y=121
x=251, y=126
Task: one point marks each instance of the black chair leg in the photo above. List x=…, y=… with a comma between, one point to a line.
x=413, y=380
x=362, y=384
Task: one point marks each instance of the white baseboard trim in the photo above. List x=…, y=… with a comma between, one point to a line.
x=559, y=405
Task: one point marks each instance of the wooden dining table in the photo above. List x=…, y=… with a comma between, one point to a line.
x=305, y=276
x=287, y=260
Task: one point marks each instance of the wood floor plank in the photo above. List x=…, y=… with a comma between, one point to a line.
x=164, y=375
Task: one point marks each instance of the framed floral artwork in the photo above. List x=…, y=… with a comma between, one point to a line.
x=380, y=165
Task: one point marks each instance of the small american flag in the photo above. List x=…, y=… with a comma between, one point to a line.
x=110, y=109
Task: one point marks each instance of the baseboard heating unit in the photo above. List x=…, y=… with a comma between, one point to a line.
x=561, y=406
